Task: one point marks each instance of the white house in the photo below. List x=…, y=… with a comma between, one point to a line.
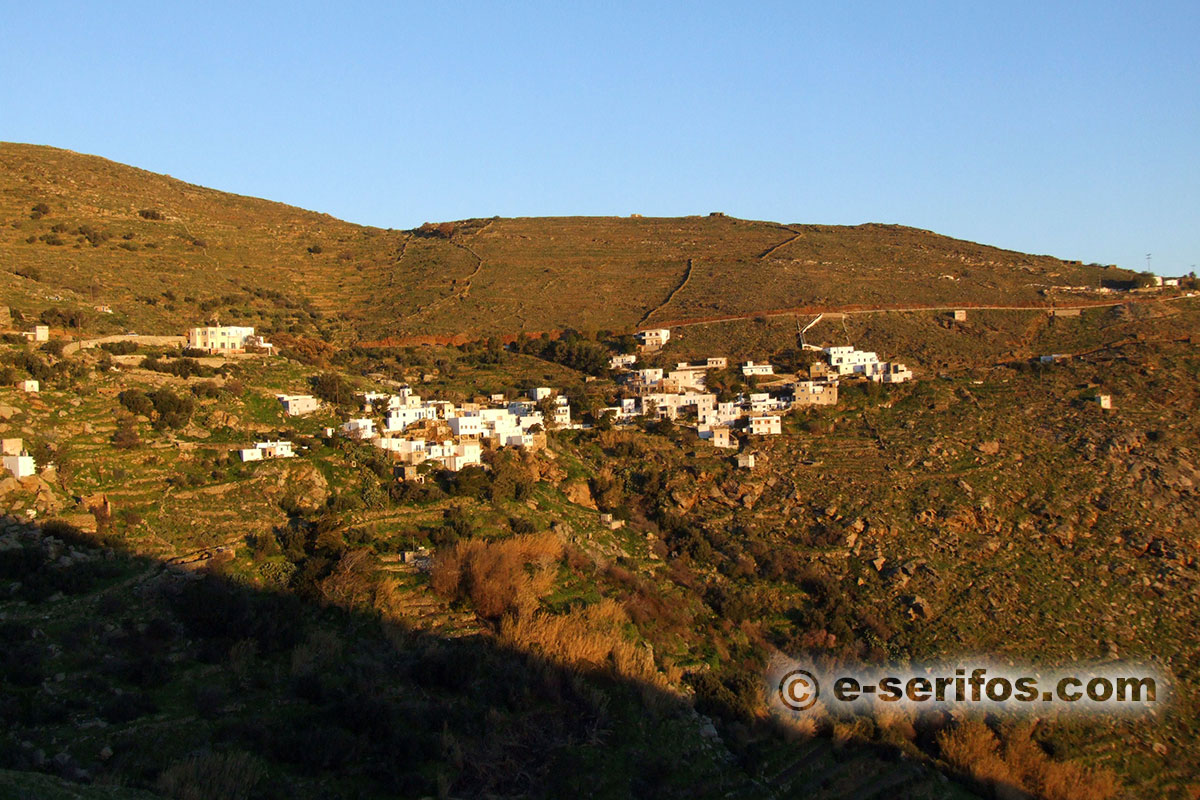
x=261, y=450
x=723, y=437
x=750, y=368
x=655, y=338
x=21, y=465
x=1170, y=282
x=1104, y=400
x=745, y=460
x=622, y=361
x=398, y=419
x=471, y=426
x=649, y=376
x=540, y=393
x=31, y=386
x=960, y=315
x=765, y=426
x=363, y=428
x=297, y=405
x=40, y=333
x=848, y=361
x=716, y=363
x=223, y=338
x=893, y=372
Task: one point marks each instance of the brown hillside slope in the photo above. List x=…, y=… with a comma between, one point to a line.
x=212, y=251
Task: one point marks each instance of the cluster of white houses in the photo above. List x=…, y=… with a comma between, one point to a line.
x=680, y=393
x=453, y=436
x=416, y=431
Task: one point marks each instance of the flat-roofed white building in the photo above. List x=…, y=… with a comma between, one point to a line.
x=398, y=419
x=362, y=428
x=893, y=372
x=540, y=393
x=220, y=338
x=471, y=425
x=21, y=465
x=263, y=450
x=31, y=386
x=654, y=338
x=622, y=361
x=750, y=368
x=848, y=361
x=765, y=426
x=297, y=405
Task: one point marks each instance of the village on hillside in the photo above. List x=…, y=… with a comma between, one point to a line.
x=416, y=431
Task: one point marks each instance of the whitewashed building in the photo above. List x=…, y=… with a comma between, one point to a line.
x=297, y=405
x=655, y=338
x=848, y=361
x=224, y=339
x=765, y=426
x=20, y=465
x=750, y=368
x=264, y=450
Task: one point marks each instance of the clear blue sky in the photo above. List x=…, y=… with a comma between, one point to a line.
x=1064, y=128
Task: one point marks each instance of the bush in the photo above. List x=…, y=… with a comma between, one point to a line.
x=151, y=214
x=137, y=402
x=119, y=348
x=213, y=776
x=494, y=575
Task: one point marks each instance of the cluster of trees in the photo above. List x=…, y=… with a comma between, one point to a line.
x=162, y=407
x=571, y=349
x=180, y=367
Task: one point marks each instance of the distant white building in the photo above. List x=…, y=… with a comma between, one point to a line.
x=224, y=339
x=1170, y=282
x=466, y=426
x=622, y=361
x=893, y=372
x=649, y=376
x=398, y=419
x=21, y=465
x=765, y=426
x=540, y=393
x=1104, y=400
x=40, y=333
x=655, y=338
x=745, y=460
x=362, y=428
x=848, y=361
x=960, y=315
x=750, y=368
x=31, y=386
x=297, y=405
x=263, y=450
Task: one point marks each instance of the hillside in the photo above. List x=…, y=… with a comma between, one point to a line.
x=79, y=231
x=592, y=612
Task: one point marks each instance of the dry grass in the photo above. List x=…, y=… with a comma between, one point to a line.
x=506, y=575
x=592, y=637
x=1018, y=761
x=212, y=776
